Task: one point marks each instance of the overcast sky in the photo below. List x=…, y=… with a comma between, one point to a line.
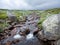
x=29, y=4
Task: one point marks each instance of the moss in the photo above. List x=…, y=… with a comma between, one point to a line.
x=3, y=16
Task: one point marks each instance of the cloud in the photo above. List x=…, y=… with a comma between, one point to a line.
x=14, y=4
x=44, y=4
x=49, y=5
x=29, y=4
x=21, y=4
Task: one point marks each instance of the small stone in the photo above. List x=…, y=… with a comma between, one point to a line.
x=15, y=41
x=8, y=43
x=24, y=30
x=18, y=25
x=13, y=32
x=14, y=23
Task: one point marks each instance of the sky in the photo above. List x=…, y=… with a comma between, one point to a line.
x=29, y=4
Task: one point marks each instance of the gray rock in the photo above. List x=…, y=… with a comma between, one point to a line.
x=51, y=27
x=30, y=17
x=41, y=36
x=57, y=42
x=11, y=16
x=33, y=17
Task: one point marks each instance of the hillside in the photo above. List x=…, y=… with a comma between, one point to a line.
x=42, y=13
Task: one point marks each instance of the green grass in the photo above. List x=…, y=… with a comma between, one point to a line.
x=3, y=25
x=3, y=14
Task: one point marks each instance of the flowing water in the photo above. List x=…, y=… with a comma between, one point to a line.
x=28, y=39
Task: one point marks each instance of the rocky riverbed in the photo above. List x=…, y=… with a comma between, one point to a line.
x=22, y=33
x=26, y=31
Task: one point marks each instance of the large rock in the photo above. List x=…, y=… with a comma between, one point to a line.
x=40, y=35
x=11, y=16
x=57, y=42
x=51, y=27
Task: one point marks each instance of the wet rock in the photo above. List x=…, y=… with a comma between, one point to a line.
x=18, y=30
x=14, y=23
x=57, y=42
x=18, y=25
x=9, y=43
x=33, y=17
x=23, y=29
x=32, y=28
x=32, y=22
x=16, y=41
x=41, y=35
x=13, y=32
x=30, y=17
x=51, y=27
x=10, y=27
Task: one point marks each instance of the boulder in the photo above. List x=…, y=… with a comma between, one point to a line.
x=51, y=27
x=57, y=42
x=11, y=16
x=41, y=36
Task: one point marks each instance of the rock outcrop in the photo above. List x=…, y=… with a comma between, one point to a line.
x=51, y=27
